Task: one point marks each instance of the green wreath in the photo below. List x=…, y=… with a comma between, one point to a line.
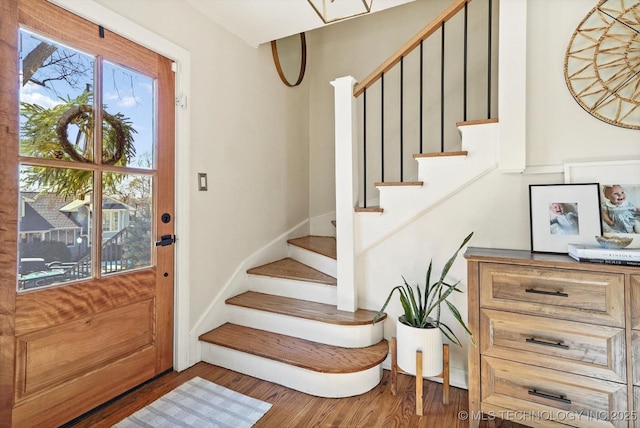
x=85, y=112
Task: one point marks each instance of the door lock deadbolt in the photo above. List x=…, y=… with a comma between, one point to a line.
x=166, y=218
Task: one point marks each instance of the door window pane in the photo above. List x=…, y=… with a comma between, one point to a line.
x=54, y=226
x=56, y=100
x=128, y=119
x=126, y=222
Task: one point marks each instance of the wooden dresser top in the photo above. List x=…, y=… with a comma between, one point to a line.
x=526, y=257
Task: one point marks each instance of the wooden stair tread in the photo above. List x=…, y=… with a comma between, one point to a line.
x=440, y=154
x=369, y=209
x=297, y=352
x=289, y=268
x=477, y=122
x=302, y=309
x=399, y=183
x=325, y=245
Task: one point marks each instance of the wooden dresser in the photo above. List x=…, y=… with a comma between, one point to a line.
x=558, y=342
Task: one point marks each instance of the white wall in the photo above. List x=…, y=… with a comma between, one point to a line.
x=248, y=133
x=558, y=129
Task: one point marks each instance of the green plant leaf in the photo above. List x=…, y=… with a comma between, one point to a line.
x=458, y=317
x=422, y=307
x=386, y=303
x=449, y=334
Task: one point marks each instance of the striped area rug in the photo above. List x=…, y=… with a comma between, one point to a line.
x=198, y=403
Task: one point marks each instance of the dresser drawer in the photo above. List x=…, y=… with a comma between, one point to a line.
x=635, y=356
x=634, y=281
x=550, y=394
x=575, y=295
x=568, y=346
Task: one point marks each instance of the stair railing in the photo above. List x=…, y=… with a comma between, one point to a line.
x=448, y=103
x=349, y=121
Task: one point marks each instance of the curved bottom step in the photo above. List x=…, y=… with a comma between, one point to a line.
x=310, y=367
x=328, y=385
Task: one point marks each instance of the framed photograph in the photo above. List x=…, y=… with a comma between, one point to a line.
x=563, y=214
x=620, y=211
x=622, y=173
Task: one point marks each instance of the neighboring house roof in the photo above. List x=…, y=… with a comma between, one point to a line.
x=73, y=206
x=42, y=212
x=48, y=211
x=109, y=204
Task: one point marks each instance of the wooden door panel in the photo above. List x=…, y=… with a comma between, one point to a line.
x=51, y=357
x=48, y=308
x=58, y=405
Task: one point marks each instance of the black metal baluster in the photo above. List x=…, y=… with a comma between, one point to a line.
x=401, y=116
x=364, y=143
x=465, y=69
x=421, y=119
x=382, y=126
x=442, y=91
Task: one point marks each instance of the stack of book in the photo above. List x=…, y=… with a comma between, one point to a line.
x=598, y=254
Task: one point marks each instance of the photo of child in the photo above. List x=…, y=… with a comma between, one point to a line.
x=563, y=218
x=619, y=214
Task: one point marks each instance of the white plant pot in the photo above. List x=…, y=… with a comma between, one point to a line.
x=428, y=340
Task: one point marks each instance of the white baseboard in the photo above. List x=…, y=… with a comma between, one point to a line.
x=216, y=313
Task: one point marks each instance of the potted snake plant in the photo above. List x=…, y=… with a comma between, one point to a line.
x=420, y=327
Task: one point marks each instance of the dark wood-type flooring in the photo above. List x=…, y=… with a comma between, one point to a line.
x=376, y=408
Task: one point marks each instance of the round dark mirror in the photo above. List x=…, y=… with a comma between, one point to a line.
x=290, y=58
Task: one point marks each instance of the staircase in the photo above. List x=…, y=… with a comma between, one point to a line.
x=285, y=326
x=287, y=329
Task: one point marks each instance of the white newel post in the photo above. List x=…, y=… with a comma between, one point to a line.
x=346, y=153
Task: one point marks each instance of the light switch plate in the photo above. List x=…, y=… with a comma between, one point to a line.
x=202, y=181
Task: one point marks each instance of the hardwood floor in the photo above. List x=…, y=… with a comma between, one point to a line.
x=376, y=408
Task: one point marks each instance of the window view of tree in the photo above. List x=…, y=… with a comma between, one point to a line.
x=40, y=138
x=63, y=137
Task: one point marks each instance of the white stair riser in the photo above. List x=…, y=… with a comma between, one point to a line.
x=330, y=385
x=394, y=197
x=346, y=336
x=313, y=292
x=317, y=261
x=442, y=176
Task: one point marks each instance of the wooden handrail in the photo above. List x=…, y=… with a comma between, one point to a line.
x=409, y=46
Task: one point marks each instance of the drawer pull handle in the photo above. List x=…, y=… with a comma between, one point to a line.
x=548, y=293
x=558, y=397
x=547, y=343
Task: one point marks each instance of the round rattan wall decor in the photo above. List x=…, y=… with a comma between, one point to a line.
x=602, y=63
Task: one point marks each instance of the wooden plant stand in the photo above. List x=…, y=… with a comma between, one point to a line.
x=419, y=380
